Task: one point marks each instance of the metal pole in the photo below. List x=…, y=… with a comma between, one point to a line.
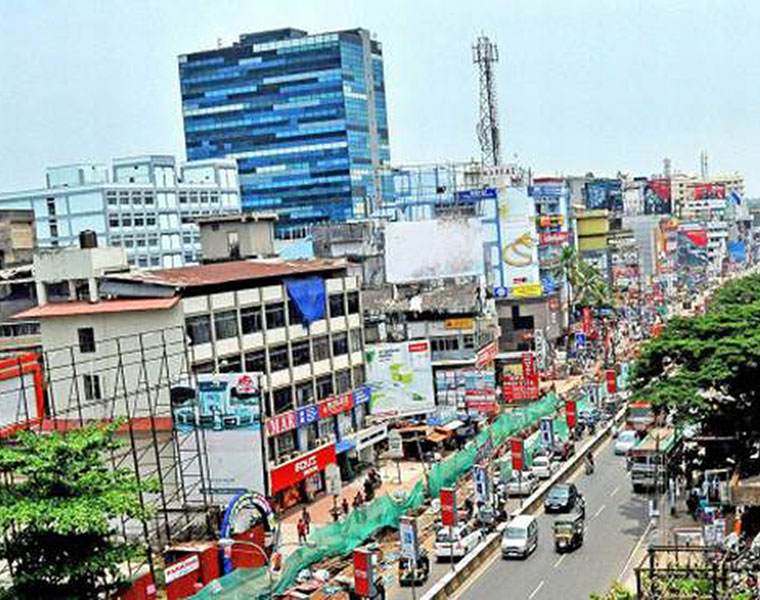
x=451, y=546
x=398, y=470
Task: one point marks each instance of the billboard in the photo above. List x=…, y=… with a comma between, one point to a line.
x=703, y=191
x=604, y=194
x=456, y=386
x=424, y=250
x=657, y=197
x=228, y=407
x=692, y=246
x=401, y=378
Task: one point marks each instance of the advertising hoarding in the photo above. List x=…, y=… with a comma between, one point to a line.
x=424, y=250
x=409, y=538
x=703, y=191
x=553, y=238
x=401, y=378
x=604, y=194
x=657, y=197
x=546, y=426
x=364, y=580
x=454, y=387
x=518, y=454
x=519, y=253
x=448, y=507
x=570, y=413
x=228, y=407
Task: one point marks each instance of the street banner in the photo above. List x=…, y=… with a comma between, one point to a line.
x=570, y=413
x=546, y=426
x=480, y=481
x=528, y=362
x=409, y=539
x=586, y=320
x=448, y=507
x=363, y=573
x=611, y=381
x=518, y=458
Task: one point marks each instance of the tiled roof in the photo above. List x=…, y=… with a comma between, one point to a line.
x=68, y=309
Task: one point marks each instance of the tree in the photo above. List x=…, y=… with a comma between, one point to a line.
x=703, y=371
x=58, y=501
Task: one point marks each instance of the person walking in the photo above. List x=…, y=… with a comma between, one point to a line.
x=345, y=506
x=306, y=517
x=302, y=531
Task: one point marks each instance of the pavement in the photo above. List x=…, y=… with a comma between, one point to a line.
x=616, y=528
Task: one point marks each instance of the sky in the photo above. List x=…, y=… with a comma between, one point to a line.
x=583, y=85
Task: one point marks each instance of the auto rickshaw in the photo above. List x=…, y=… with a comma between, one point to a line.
x=409, y=575
x=568, y=532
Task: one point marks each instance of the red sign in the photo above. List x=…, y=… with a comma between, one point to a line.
x=518, y=457
x=586, y=320
x=335, y=405
x=553, y=238
x=448, y=507
x=528, y=362
x=570, y=413
x=709, y=190
x=296, y=470
x=486, y=354
x=518, y=389
x=419, y=347
x=483, y=406
x=363, y=584
x=280, y=423
x=611, y=381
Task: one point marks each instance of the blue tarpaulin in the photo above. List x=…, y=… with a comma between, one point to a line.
x=737, y=250
x=308, y=294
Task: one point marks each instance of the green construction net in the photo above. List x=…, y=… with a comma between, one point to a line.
x=338, y=539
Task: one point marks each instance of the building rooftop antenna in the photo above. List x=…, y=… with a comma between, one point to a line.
x=485, y=55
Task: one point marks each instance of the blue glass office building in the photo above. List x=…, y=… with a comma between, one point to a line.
x=303, y=115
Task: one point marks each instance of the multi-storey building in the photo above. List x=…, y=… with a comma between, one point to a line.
x=303, y=115
x=147, y=205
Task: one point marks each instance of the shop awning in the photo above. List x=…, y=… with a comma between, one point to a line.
x=437, y=437
x=344, y=446
x=453, y=425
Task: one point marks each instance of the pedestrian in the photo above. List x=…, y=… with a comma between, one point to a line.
x=369, y=489
x=301, y=532
x=358, y=499
x=345, y=506
x=306, y=519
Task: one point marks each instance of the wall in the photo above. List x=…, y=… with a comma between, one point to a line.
x=255, y=239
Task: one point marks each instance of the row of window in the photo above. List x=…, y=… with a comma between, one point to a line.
x=452, y=343
x=250, y=319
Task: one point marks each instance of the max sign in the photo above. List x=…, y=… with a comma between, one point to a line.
x=299, y=469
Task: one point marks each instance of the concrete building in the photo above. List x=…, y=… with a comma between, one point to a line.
x=237, y=236
x=18, y=237
x=148, y=206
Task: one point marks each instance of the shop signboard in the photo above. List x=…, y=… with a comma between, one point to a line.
x=181, y=568
x=335, y=405
x=449, y=514
x=516, y=388
x=361, y=395
x=401, y=378
x=454, y=386
x=527, y=290
x=228, y=407
x=518, y=454
x=570, y=413
x=487, y=354
x=307, y=415
x=364, y=578
x=482, y=406
x=553, y=238
x=528, y=363
x=298, y=469
x=460, y=323
x=280, y=423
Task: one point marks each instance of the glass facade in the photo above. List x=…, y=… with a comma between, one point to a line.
x=303, y=115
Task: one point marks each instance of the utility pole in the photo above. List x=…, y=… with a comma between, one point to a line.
x=485, y=55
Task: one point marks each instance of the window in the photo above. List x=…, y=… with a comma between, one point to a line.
x=352, y=299
x=342, y=381
x=294, y=315
x=139, y=221
x=142, y=261
x=469, y=341
x=359, y=377
x=356, y=340
x=183, y=197
x=275, y=315
x=278, y=358
x=282, y=399
x=321, y=348
x=150, y=220
x=126, y=222
x=230, y=364
x=113, y=221
x=233, y=244
x=225, y=324
x=92, y=387
x=198, y=329
x=128, y=242
x=153, y=240
x=155, y=261
x=444, y=344
x=340, y=344
x=304, y=394
x=140, y=242
x=256, y=362
x=324, y=387
x=301, y=353
x=286, y=442
x=250, y=319
x=86, y=339
x=187, y=238
x=148, y=198
x=337, y=308
x=204, y=367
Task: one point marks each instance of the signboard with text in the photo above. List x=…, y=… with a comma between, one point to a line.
x=570, y=413
x=518, y=454
x=448, y=507
x=295, y=471
x=364, y=584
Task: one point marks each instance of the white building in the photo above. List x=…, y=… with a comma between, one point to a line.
x=147, y=205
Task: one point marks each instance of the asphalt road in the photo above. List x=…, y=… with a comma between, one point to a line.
x=615, y=521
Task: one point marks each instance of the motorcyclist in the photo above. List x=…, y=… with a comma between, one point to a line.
x=589, y=463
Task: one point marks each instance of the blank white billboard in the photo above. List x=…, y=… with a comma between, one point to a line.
x=423, y=250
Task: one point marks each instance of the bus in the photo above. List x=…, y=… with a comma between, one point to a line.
x=639, y=415
x=650, y=458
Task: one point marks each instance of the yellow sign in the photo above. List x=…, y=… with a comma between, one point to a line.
x=527, y=290
x=464, y=323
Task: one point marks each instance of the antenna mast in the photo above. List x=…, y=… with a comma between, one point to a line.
x=485, y=55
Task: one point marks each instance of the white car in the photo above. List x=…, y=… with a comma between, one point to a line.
x=520, y=538
x=543, y=467
x=522, y=484
x=455, y=542
x=626, y=440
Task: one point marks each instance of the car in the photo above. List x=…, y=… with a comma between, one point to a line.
x=521, y=484
x=455, y=542
x=626, y=440
x=520, y=537
x=543, y=467
x=561, y=498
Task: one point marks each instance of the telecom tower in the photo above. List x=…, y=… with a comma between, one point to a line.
x=485, y=55
x=703, y=168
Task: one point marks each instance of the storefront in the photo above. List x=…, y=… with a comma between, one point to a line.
x=301, y=478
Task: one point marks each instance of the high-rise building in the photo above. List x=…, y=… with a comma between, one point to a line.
x=148, y=205
x=304, y=115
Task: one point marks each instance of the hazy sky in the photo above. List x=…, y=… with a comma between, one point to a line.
x=583, y=86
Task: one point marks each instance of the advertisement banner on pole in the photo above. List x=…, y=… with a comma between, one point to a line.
x=518, y=454
x=611, y=381
x=449, y=513
x=586, y=320
x=528, y=363
x=395, y=444
x=480, y=481
x=570, y=413
x=546, y=426
x=364, y=580
x=407, y=530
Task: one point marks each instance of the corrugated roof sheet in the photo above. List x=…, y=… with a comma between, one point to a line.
x=240, y=270
x=68, y=309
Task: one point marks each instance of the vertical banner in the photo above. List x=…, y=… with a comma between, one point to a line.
x=363, y=573
x=611, y=381
x=410, y=544
x=480, y=477
x=528, y=363
x=448, y=507
x=546, y=426
x=518, y=458
x=570, y=413
x=586, y=320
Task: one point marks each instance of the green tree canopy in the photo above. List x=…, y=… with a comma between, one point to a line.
x=59, y=499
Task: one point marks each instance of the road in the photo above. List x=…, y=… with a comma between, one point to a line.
x=615, y=522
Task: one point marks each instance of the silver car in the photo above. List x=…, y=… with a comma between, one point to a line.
x=523, y=484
